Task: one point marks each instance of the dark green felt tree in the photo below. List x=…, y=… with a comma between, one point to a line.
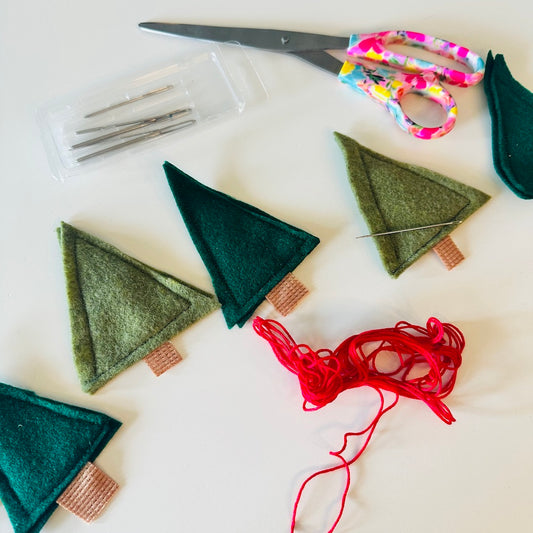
x=44, y=445
x=246, y=251
x=121, y=310
x=397, y=196
x=511, y=111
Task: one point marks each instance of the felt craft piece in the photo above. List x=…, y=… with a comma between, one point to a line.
x=396, y=196
x=511, y=111
x=246, y=251
x=121, y=309
x=44, y=444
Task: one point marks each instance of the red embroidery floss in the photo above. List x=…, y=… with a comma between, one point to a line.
x=406, y=360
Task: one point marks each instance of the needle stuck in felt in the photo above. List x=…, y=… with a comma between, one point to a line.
x=409, y=229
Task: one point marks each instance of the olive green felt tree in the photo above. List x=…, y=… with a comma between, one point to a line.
x=122, y=310
x=395, y=197
x=46, y=453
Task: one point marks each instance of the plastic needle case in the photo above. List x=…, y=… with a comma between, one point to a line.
x=124, y=115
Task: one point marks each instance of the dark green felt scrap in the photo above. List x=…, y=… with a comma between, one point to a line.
x=396, y=196
x=246, y=251
x=511, y=111
x=43, y=446
x=121, y=309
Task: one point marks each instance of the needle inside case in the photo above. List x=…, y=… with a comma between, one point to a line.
x=138, y=137
x=199, y=87
x=130, y=100
x=133, y=125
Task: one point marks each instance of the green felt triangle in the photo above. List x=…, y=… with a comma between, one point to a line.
x=395, y=196
x=246, y=251
x=511, y=111
x=43, y=446
x=121, y=309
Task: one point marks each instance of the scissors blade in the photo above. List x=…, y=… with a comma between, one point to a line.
x=321, y=59
x=274, y=40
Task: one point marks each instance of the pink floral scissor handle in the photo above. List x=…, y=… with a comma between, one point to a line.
x=409, y=75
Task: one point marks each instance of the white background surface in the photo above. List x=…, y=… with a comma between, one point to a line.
x=220, y=443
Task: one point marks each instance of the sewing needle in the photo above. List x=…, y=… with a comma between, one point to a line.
x=409, y=229
x=135, y=126
x=140, y=137
x=130, y=100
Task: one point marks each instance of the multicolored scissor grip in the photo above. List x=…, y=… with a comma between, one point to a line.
x=388, y=87
x=372, y=47
x=409, y=75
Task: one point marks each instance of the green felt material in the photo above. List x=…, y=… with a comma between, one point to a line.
x=246, y=251
x=511, y=111
x=395, y=196
x=120, y=309
x=43, y=446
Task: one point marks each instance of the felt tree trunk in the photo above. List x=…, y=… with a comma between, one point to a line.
x=47, y=449
x=511, y=111
x=122, y=310
x=246, y=251
x=395, y=196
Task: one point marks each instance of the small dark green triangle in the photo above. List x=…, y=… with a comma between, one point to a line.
x=43, y=446
x=246, y=251
x=120, y=308
x=511, y=111
x=396, y=196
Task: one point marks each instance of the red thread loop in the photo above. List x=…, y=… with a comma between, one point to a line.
x=405, y=360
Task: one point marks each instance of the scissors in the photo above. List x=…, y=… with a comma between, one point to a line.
x=396, y=75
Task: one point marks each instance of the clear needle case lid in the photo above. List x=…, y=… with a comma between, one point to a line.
x=126, y=114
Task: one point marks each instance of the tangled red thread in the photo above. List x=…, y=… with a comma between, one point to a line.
x=405, y=360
